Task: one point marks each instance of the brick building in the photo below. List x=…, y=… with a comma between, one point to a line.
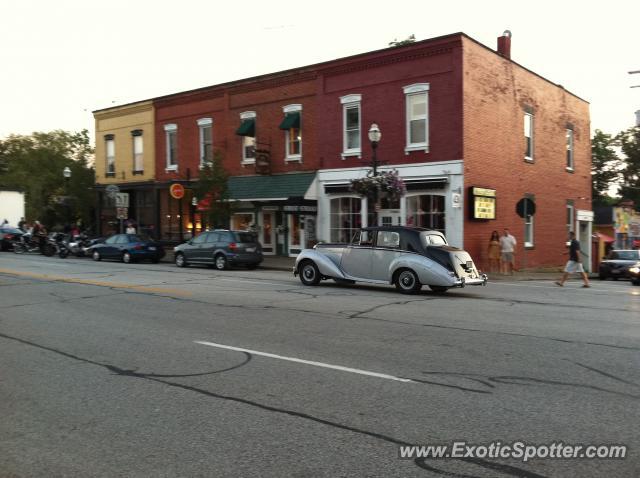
x=470, y=131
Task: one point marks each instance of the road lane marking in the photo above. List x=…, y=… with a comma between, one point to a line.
x=253, y=281
x=115, y=285
x=307, y=362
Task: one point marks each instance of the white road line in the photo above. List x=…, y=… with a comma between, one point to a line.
x=307, y=362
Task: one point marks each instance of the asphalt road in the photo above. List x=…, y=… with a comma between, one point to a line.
x=109, y=369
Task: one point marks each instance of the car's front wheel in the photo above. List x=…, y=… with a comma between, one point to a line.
x=126, y=257
x=407, y=282
x=309, y=273
x=180, y=260
x=96, y=256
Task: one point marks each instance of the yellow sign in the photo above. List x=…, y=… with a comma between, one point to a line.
x=484, y=207
x=484, y=192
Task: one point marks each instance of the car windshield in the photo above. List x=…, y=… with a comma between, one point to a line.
x=246, y=237
x=627, y=255
x=430, y=239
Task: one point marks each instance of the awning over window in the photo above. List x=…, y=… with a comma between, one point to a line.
x=291, y=120
x=247, y=127
x=279, y=187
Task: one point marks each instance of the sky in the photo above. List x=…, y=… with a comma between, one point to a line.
x=62, y=59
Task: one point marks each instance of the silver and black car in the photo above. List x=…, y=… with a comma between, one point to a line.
x=405, y=256
x=617, y=264
x=221, y=248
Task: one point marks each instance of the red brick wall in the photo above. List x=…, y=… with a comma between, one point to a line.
x=496, y=92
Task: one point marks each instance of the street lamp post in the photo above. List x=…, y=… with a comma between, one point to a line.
x=66, y=173
x=374, y=137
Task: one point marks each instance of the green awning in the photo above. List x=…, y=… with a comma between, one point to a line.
x=291, y=120
x=270, y=188
x=247, y=127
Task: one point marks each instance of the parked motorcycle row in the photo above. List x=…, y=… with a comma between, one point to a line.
x=56, y=243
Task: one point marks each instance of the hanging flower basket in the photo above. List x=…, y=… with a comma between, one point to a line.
x=389, y=183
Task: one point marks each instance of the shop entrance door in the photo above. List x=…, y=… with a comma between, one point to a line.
x=268, y=234
x=583, y=235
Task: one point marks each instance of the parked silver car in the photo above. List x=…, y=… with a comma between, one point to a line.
x=405, y=256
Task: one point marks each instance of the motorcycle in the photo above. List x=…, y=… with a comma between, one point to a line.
x=78, y=245
x=28, y=243
x=59, y=241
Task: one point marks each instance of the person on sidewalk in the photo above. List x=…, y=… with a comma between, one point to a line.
x=507, y=251
x=494, y=252
x=574, y=265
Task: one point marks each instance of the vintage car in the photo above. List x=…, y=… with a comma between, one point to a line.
x=405, y=256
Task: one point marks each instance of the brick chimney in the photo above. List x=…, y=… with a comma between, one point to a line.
x=504, y=44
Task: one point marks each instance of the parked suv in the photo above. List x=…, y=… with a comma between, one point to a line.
x=220, y=248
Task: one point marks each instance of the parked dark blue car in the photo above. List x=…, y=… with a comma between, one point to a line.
x=127, y=248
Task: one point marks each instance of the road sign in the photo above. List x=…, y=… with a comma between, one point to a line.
x=122, y=212
x=176, y=190
x=526, y=207
x=122, y=200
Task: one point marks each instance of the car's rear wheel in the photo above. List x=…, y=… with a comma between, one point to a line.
x=126, y=257
x=309, y=273
x=96, y=256
x=180, y=260
x=220, y=262
x=407, y=282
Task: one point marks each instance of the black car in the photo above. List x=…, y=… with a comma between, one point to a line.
x=221, y=248
x=9, y=234
x=127, y=248
x=617, y=264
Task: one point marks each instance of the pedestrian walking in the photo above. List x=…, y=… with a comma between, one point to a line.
x=574, y=265
x=507, y=252
x=131, y=229
x=494, y=252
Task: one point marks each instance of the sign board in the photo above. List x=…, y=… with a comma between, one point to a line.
x=456, y=200
x=176, y=190
x=296, y=208
x=122, y=212
x=483, y=203
x=122, y=199
x=112, y=190
x=525, y=207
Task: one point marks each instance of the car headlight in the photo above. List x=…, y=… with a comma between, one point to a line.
x=634, y=269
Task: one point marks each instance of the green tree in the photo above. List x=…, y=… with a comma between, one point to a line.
x=396, y=42
x=212, y=187
x=629, y=142
x=35, y=163
x=605, y=167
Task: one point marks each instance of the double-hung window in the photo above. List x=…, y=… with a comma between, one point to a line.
x=417, y=117
x=351, y=121
x=570, y=217
x=110, y=155
x=292, y=126
x=138, y=151
x=171, y=133
x=247, y=131
x=205, y=127
x=569, y=149
x=528, y=136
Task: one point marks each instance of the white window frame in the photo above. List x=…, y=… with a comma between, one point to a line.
x=138, y=156
x=528, y=116
x=570, y=136
x=417, y=89
x=296, y=108
x=110, y=158
x=529, y=229
x=171, y=162
x=350, y=102
x=244, y=116
x=204, y=123
x=571, y=216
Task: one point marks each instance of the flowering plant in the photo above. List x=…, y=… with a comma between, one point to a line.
x=388, y=182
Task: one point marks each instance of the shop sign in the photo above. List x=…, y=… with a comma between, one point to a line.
x=177, y=191
x=300, y=209
x=483, y=203
x=122, y=199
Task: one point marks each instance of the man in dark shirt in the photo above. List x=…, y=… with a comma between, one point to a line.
x=574, y=265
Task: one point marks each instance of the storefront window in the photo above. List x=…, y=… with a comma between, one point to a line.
x=345, y=218
x=426, y=211
x=266, y=228
x=242, y=221
x=295, y=230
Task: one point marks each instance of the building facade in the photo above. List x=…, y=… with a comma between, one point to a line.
x=481, y=143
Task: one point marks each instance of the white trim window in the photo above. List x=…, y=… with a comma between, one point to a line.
x=417, y=117
x=248, y=132
x=570, y=149
x=570, y=217
x=110, y=155
x=171, y=141
x=528, y=231
x=351, y=125
x=292, y=126
x=138, y=151
x=528, y=136
x=205, y=130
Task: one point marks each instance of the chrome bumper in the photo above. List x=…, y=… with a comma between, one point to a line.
x=465, y=281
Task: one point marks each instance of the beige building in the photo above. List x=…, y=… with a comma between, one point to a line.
x=125, y=157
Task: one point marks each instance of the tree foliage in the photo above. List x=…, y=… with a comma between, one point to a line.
x=407, y=41
x=34, y=164
x=605, y=167
x=212, y=188
x=629, y=142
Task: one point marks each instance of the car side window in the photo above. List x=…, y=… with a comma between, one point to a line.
x=199, y=239
x=225, y=237
x=613, y=255
x=122, y=239
x=363, y=238
x=111, y=240
x=388, y=239
x=212, y=237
